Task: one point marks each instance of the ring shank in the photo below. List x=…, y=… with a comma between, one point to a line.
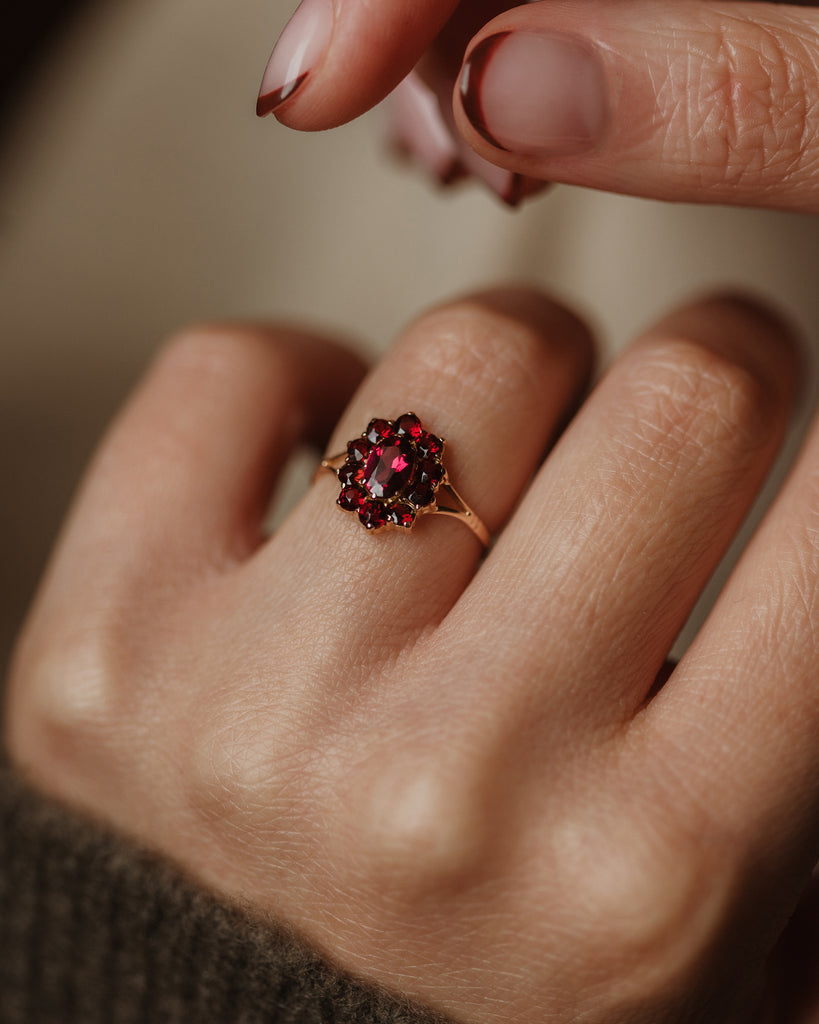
x=457, y=508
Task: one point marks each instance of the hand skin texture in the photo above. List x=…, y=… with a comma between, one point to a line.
x=458, y=776
x=687, y=100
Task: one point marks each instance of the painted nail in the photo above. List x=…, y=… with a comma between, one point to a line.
x=300, y=47
x=511, y=188
x=536, y=95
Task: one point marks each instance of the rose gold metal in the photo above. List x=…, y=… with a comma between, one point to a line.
x=457, y=508
x=334, y=463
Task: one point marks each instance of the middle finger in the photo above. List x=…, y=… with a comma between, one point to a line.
x=492, y=375
x=630, y=514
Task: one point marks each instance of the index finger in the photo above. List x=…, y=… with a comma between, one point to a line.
x=337, y=59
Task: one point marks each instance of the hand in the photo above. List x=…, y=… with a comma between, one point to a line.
x=468, y=780
x=691, y=100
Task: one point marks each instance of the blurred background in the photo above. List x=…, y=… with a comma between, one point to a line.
x=138, y=192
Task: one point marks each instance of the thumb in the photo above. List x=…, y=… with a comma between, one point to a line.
x=690, y=101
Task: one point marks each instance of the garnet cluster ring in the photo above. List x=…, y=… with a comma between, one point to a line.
x=393, y=473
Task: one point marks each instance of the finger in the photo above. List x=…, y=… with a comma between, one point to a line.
x=336, y=60
x=492, y=374
x=423, y=130
x=184, y=477
x=627, y=519
x=739, y=719
x=418, y=131
x=705, y=102
x=308, y=84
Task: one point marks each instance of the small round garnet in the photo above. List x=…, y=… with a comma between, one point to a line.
x=391, y=472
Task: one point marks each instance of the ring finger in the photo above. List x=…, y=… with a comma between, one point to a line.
x=492, y=374
x=629, y=516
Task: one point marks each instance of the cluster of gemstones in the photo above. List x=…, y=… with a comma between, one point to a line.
x=391, y=472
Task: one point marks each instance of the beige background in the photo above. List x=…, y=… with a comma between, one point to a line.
x=139, y=192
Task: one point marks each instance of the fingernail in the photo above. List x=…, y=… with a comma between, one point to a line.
x=536, y=95
x=300, y=47
x=512, y=189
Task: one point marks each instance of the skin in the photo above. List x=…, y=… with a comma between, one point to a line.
x=709, y=101
x=459, y=777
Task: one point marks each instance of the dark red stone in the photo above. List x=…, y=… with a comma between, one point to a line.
x=420, y=494
x=373, y=515
x=358, y=450
x=429, y=444
x=409, y=424
x=402, y=515
x=391, y=472
x=377, y=430
x=351, y=499
x=389, y=468
x=429, y=472
x=348, y=474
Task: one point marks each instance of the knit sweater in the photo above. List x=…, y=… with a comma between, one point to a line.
x=93, y=930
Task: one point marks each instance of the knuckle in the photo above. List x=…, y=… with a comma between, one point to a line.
x=197, y=346
x=749, y=117
x=694, y=403
x=63, y=708
x=225, y=353
x=422, y=829
x=227, y=772
x=242, y=783
x=652, y=906
x=480, y=351
x=218, y=349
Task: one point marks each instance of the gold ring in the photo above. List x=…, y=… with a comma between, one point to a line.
x=393, y=473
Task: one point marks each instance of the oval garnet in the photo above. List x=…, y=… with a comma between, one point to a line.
x=389, y=467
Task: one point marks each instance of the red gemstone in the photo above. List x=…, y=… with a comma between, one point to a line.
x=348, y=474
x=351, y=499
x=402, y=515
x=430, y=472
x=377, y=430
x=389, y=468
x=429, y=444
x=373, y=515
x=358, y=450
x=420, y=494
x=391, y=472
x=409, y=424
